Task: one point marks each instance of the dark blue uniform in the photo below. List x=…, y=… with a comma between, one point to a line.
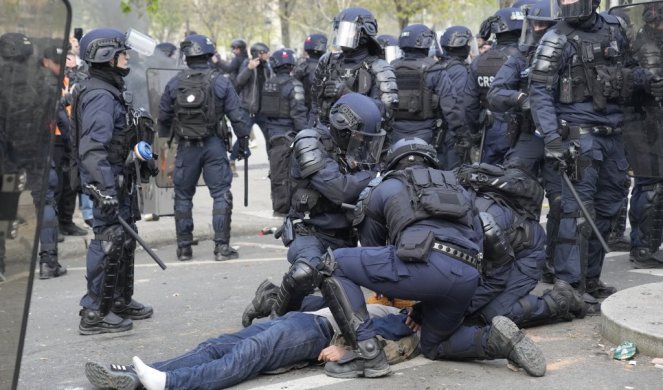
x=305, y=73
x=559, y=91
x=436, y=82
x=449, y=155
x=209, y=156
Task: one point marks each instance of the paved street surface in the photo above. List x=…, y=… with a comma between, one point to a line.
x=202, y=298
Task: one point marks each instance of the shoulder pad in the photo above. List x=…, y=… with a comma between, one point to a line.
x=309, y=152
x=379, y=65
x=613, y=19
x=298, y=89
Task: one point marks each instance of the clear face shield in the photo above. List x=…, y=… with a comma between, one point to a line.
x=140, y=43
x=392, y=53
x=364, y=149
x=345, y=34
x=531, y=33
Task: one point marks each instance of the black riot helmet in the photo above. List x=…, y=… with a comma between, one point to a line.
x=258, y=48
x=455, y=37
x=405, y=151
x=282, y=58
x=167, y=48
x=416, y=36
x=577, y=11
x=315, y=45
x=197, y=45
x=355, y=126
x=15, y=47
x=539, y=17
x=355, y=27
x=102, y=45
x=238, y=44
x=389, y=44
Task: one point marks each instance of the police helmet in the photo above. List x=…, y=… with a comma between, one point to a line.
x=539, y=17
x=577, y=10
x=167, y=48
x=102, y=45
x=282, y=57
x=410, y=147
x=456, y=36
x=416, y=36
x=258, y=48
x=389, y=44
x=15, y=47
x=355, y=123
x=506, y=20
x=315, y=43
x=387, y=40
x=351, y=24
x=238, y=44
x=197, y=45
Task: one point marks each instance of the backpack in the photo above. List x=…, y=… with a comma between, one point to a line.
x=195, y=114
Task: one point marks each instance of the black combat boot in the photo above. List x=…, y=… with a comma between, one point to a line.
x=224, y=252
x=112, y=376
x=368, y=361
x=93, y=322
x=262, y=303
x=576, y=305
x=184, y=253
x=49, y=267
x=133, y=311
x=598, y=289
x=643, y=258
x=506, y=341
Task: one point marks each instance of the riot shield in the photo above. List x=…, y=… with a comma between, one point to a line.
x=28, y=31
x=643, y=124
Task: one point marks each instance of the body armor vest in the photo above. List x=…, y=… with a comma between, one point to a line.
x=592, y=49
x=305, y=198
x=415, y=100
x=273, y=100
x=488, y=64
x=304, y=73
x=430, y=193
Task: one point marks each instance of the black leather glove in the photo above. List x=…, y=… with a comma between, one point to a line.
x=243, y=148
x=334, y=89
x=656, y=86
x=108, y=204
x=148, y=169
x=553, y=149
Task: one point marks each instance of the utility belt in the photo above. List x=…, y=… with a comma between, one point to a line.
x=575, y=131
x=458, y=253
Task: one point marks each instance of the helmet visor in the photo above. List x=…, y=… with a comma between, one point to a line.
x=573, y=9
x=346, y=34
x=392, y=52
x=140, y=42
x=364, y=149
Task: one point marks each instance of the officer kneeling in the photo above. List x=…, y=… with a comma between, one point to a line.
x=192, y=106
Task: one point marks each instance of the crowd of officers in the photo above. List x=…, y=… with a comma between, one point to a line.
x=466, y=145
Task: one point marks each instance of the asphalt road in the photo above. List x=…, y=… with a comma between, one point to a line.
x=202, y=298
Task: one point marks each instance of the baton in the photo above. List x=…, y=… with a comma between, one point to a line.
x=246, y=182
x=95, y=192
x=584, y=211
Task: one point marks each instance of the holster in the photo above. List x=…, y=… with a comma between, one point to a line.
x=415, y=247
x=286, y=232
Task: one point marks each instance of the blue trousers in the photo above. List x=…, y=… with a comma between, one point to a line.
x=496, y=143
x=601, y=189
x=444, y=286
x=48, y=233
x=209, y=158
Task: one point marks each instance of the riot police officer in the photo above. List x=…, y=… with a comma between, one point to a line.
x=580, y=119
x=104, y=140
x=643, y=147
x=315, y=46
x=456, y=42
x=509, y=203
x=427, y=107
x=432, y=255
x=390, y=49
x=192, y=106
x=329, y=168
x=509, y=95
x=356, y=68
x=506, y=24
x=282, y=102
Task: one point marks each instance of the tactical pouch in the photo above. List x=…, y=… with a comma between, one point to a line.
x=414, y=247
x=304, y=199
x=566, y=90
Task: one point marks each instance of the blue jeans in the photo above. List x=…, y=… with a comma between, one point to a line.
x=85, y=205
x=231, y=358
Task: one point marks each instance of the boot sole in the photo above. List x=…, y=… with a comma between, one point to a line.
x=370, y=373
x=99, y=376
x=93, y=331
x=251, y=311
x=134, y=317
x=530, y=357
